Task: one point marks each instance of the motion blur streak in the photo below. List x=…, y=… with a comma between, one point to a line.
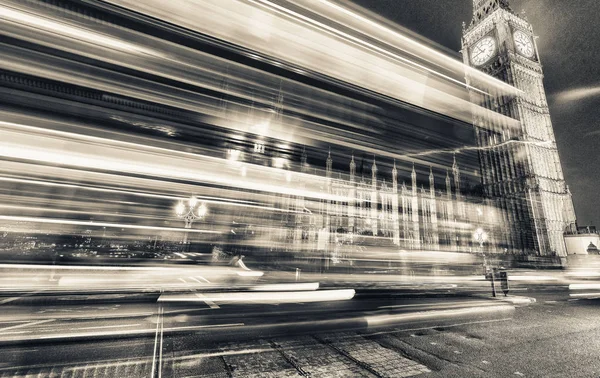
x=383, y=320
x=98, y=224
x=269, y=298
x=104, y=154
x=409, y=45
x=287, y=287
x=299, y=44
x=358, y=41
x=74, y=32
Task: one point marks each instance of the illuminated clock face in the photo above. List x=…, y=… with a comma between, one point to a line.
x=483, y=51
x=523, y=44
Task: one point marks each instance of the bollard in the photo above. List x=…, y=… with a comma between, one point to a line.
x=493, y=282
x=297, y=273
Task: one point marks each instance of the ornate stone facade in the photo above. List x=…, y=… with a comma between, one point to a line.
x=521, y=168
x=393, y=214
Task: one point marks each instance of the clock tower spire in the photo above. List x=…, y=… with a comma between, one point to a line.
x=520, y=167
x=483, y=8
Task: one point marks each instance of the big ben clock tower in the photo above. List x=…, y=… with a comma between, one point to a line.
x=520, y=167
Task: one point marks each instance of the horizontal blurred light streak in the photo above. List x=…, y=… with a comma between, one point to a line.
x=304, y=45
x=90, y=152
x=585, y=295
x=24, y=209
x=264, y=297
x=206, y=199
x=389, y=320
x=512, y=277
x=586, y=286
x=250, y=273
x=102, y=224
x=76, y=32
x=33, y=63
x=303, y=286
x=100, y=268
x=409, y=44
x=584, y=273
x=356, y=40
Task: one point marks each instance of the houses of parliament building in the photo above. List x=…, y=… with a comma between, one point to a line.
x=525, y=207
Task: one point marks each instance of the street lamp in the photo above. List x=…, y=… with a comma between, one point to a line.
x=481, y=237
x=189, y=211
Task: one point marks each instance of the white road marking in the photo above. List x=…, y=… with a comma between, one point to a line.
x=158, y=322
x=26, y=324
x=161, y=345
x=7, y=300
x=112, y=326
x=203, y=279
x=207, y=301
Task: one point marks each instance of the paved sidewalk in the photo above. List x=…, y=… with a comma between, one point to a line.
x=327, y=355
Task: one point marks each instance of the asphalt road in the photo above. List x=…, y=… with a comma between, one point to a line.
x=556, y=337
x=378, y=333
x=140, y=335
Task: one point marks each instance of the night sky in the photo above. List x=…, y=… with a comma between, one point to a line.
x=569, y=49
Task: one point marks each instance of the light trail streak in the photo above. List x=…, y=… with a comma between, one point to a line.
x=475, y=148
x=102, y=224
x=264, y=297
x=227, y=202
x=388, y=320
x=586, y=286
x=72, y=150
x=341, y=60
x=421, y=49
x=309, y=286
x=76, y=73
x=358, y=41
x=73, y=32
x=162, y=270
x=207, y=199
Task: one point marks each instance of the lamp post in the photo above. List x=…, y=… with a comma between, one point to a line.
x=189, y=211
x=481, y=237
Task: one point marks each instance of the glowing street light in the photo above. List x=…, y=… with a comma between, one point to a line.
x=480, y=236
x=189, y=211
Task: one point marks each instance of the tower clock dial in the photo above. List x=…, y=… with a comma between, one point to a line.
x=523, y=44
x=483, y=51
